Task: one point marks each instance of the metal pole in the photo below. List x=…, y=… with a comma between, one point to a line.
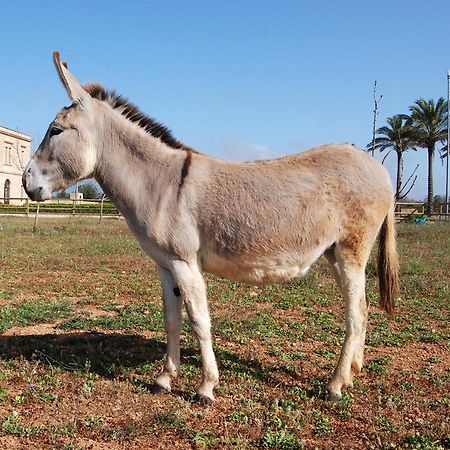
x=448, y=143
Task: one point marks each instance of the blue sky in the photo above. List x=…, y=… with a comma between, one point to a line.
x=236, y=79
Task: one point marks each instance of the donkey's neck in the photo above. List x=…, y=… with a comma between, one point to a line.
x=136, y=169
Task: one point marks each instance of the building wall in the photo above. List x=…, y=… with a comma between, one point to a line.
x=15, y=148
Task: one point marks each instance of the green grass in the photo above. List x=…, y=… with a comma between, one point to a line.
x=29, y=313
x=82, y=373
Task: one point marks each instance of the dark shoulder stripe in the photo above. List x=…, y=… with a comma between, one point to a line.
x=185, y=169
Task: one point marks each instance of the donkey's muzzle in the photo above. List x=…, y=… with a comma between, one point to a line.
x=32, y=184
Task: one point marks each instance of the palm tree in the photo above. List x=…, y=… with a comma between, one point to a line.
x=397, y=136
x=429, y=121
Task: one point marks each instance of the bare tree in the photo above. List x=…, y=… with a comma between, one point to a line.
x=375, y=114
x=19, y=162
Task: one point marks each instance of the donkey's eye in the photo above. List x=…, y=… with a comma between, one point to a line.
x=54, y=131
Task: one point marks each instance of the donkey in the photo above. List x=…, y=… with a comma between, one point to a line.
x=257, y=222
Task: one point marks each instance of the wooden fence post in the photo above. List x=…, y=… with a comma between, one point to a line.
x=36, y=218
x=101, y=208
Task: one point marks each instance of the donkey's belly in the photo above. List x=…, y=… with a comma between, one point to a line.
x=259, y=271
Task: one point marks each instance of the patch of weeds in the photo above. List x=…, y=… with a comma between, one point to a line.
x=232, y=329
x=236, y=416
x=205, y=439
x=12, y=425
x=47, y=397
x=3, y=394
x=70, y=446
x=64, y=430
x=263, y=326
x=414, y=267
x=296, y=356
x=378, y=365
x=288, y=405
x=319, y=386
x=345, y=406
x=170, y=419
x=322, y=320
x=382, y=335
x=322, y=424
x=281, y=439
x=325, y=353
x=284, y=304
x=93, y=421
x=300, y=393
x=110, y=306
x=386, y=423
x=89, y=381
x=407, y=385
x=189, y=370
x=33, y=312
x=6, y=295
x=131, y=317
x=430, y=336
x=323, y=300
x=5, y=375
x=425, y=371
x=443, y=401
x=421, y=442
x=435, y=359
x=393, y=401
x=19, y=399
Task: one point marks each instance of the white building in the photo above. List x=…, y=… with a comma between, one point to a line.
x=15, y=149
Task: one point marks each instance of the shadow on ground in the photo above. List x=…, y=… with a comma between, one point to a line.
x=106, y=354
x=109, y=354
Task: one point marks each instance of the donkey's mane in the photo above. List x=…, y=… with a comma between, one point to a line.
x=134, y=114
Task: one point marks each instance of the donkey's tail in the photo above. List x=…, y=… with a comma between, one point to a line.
x=388, y=266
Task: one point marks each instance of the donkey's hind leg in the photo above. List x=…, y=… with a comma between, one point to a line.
x=352, y=275
x=172, y=323
x=334, y=266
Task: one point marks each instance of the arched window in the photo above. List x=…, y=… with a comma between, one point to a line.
x=7, y=192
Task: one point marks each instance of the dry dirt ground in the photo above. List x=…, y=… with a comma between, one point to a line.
x=82, y=339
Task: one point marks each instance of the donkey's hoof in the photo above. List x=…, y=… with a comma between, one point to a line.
x=333, y=396
x=203, y=400
x=158, y=389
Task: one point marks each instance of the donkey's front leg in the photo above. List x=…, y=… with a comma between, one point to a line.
x=172, y=323
x=193, y=291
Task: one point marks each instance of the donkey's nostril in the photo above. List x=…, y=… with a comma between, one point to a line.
x=29, y=170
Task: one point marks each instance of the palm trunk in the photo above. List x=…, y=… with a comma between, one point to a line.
x=399, y=175
x=430, y=181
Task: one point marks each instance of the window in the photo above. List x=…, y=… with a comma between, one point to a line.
x=8, y=152
x=7, y=192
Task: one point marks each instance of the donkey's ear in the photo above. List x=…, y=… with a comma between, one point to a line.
x=73, y=87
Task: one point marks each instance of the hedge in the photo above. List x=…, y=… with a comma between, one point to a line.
x=61, y=208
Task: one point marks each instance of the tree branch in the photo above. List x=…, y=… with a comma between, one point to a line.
x=401, y=194
x=385, y=156
x=375, y=114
